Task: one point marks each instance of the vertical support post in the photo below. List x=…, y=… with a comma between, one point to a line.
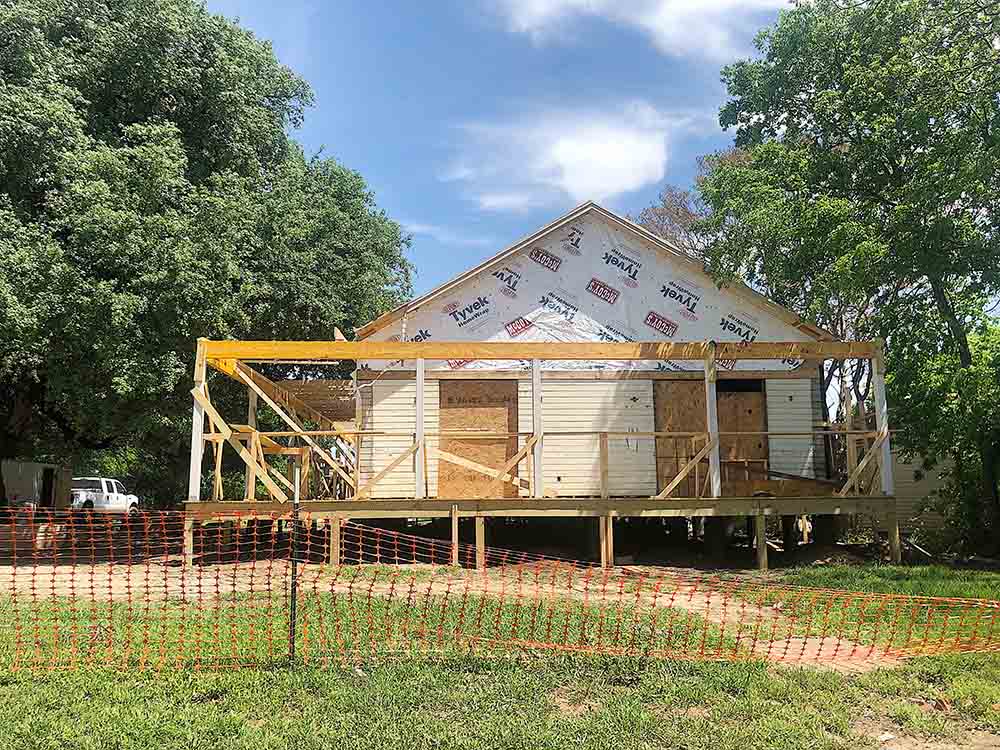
x=358, y=426
x=197, y=450
x=251, y=471
x=454, y=535
x=293, y=553
x=188, y=542
x=334, y=524
x=480, y=543
x=197, y=428
x=305, y=461
x=602, y=530
x=604, y=465
x=419, y=463
x=609, y=539
x=537, y=469
x=712, y=423
x=885, y=453
x=760, y=533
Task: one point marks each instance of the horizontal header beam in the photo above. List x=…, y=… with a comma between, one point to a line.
x=277, y=351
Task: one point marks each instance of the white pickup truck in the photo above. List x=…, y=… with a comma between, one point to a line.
x=100, y=494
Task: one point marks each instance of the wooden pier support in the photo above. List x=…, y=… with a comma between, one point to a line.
x=606, y=524
x=760, y=534
x=188, y=541
x=454, y=535
x=480, y=543
x=334, y=524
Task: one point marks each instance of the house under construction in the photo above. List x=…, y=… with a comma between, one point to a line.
x=589, y=370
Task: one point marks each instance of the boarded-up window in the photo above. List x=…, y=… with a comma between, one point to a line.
x=488, y=406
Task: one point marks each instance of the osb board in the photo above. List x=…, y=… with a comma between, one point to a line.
x=334, y=399
x=742, y=411
x=487, y=406
x=678, y=406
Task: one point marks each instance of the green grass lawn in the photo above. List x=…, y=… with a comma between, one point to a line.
x=523, y=700
x=536, y=702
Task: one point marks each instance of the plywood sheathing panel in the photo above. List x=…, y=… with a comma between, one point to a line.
x=483, y=405
x=742, y=411
x=679, y=406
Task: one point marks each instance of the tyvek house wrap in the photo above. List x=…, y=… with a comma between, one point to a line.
x=590, y=281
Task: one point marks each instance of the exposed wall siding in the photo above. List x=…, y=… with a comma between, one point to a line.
x=790, y=406
x=391, y=405
x=912, y=493
x=572, y=463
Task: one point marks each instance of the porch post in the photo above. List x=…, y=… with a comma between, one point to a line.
x=712, y=423
x=197, y=427
x=418, y=457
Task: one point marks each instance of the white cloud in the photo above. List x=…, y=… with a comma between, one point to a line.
x=584, y=155
x=713, y=29
x=446, y=236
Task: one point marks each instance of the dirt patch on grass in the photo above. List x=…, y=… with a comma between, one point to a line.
x=888, y=736
x=570, y=703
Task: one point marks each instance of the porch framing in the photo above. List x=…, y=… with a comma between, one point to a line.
x=234, y=359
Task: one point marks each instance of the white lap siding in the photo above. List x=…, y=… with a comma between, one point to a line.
x=791, y=409
x=572, y=462
x=391, y=406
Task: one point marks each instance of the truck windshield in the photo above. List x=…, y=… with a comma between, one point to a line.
x=87, y=484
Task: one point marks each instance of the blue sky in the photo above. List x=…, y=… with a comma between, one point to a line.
x=477, y=122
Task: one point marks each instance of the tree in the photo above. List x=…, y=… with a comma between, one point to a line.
x=149, y=194
x=870, y=184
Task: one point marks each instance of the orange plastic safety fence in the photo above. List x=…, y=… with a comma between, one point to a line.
x=86, y=589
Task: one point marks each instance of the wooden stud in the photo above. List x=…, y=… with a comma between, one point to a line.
x=454, y=535
x=480, y=543
x=537, y=467
x=760, y=533
x=197, y=425
x=609, y=540
x=251, y=471
x=419, y=484
x=334, y=524
x=712, y=423
x=189, y=542
x=602, y=540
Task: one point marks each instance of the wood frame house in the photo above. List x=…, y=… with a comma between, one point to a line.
x=590, y=369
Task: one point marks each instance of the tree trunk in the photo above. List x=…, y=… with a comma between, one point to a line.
x=958, y=333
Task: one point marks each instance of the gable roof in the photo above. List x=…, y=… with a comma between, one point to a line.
x=675, y=254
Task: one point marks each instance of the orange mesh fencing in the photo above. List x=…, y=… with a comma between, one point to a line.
x=86, y=589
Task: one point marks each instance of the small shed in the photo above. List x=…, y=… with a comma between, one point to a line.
x=43, y=485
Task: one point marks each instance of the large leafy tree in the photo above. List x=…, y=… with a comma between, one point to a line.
x=868, y=191
x=150, y=194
